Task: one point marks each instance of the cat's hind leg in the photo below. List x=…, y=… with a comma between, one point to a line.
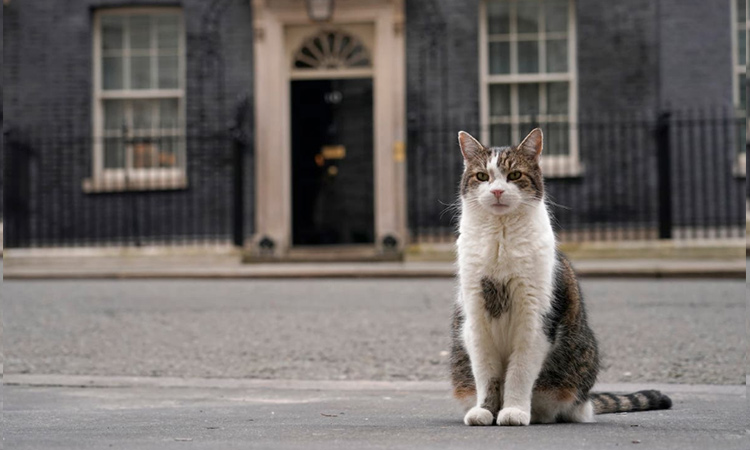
x=579, y=413
x=466, y=398
x=464, y=389
x=547, y=406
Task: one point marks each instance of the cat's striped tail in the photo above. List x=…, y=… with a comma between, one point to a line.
x=605, y=403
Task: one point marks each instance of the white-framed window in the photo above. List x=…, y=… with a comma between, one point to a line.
x=740, y=27
x=528, y=77
x=139, y=99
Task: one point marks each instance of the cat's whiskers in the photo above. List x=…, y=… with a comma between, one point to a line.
x=454, y=207
x=549, y=201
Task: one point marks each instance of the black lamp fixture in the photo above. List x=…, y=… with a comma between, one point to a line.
x=320, y=10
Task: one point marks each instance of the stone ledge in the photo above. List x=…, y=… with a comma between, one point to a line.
x=679, y=250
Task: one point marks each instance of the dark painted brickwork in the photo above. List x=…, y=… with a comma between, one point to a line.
x=442, y=63
x=617, y=56
x=442, y=69
x=47, y=77
x=696, y=53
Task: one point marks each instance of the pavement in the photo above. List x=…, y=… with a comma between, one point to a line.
x=676, y=331
x=20, y=264
x=341, y=364
x=136, y=414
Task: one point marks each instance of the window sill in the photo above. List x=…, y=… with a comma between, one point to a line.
x=562, y=169
x=118, y=184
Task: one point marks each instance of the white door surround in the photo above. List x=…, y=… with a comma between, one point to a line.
x=280, y=29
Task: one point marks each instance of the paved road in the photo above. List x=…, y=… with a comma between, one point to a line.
x=677, y=331
x=407, y=417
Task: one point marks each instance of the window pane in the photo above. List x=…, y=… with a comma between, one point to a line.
x=500, y=135
x=528, y=99
x=168, y=113
x=557, y=56
x=741, y=47
x=742, y=104
x=112, y=29
x=556, y=140
x=145, y=154
x=528, y=16
x=112, y=73
x=168, y=77
x=528, y=57
x=499, y=57
x=140, y=32
x=114, y=115
x=140, y=72
x=498, y=17
x=167, y=32
x=556, y=16
x=143, y=114
x=114, y=153
x=168, y=151
x=741, y=11
x=557, y=98
x=500, y=100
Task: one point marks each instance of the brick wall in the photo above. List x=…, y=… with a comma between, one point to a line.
x=696, y=55
x=617, y=56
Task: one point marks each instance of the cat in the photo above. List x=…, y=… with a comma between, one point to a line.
x=522, y=349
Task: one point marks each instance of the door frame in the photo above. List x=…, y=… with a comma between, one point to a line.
x=272, y=88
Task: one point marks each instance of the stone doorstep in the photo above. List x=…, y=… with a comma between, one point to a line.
x=343, y=253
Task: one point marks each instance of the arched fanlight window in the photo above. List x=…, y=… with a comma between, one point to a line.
x=332, y=49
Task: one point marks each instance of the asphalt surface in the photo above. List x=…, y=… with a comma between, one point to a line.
x=674, y=331
x=408, y=417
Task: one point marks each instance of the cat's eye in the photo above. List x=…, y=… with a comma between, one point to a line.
x=514, y=175
x=481, y=176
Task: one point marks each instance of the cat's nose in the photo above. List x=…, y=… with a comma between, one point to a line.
x=497, y=193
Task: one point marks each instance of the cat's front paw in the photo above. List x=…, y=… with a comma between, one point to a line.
x=513, y=417
x=478, y=416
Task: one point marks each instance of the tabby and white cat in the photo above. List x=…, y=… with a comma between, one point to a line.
x=522, y=349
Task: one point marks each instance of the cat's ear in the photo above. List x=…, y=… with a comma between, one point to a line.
x=533, y=143
x=470, y=147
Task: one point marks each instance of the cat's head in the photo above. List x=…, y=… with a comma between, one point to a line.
x=501, y=180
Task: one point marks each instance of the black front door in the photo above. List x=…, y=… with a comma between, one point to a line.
x=332, y=162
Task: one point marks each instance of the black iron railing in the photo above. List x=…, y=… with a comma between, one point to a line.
x=159, y=190
x=677, y=175
x=634, y=176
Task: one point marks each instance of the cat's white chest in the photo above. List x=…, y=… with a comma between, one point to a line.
x=520, y=254
x=509, y=256
x=502, y=253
